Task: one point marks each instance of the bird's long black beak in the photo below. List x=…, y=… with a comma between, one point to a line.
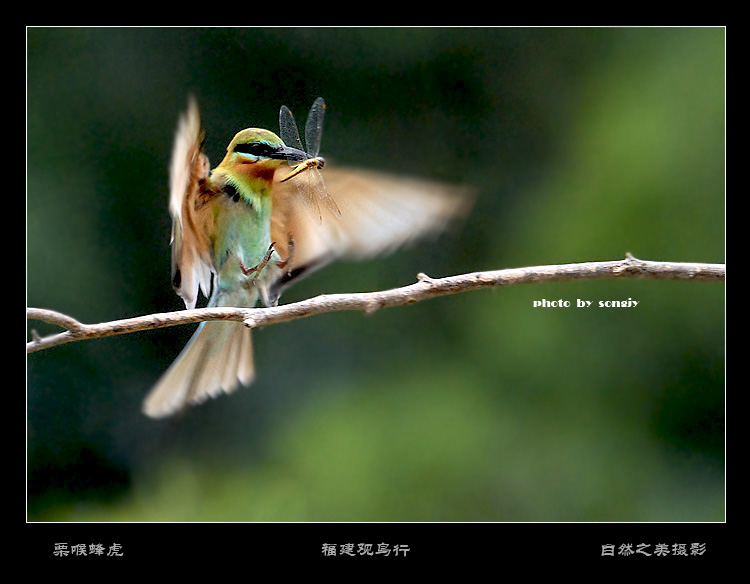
x=288, y=153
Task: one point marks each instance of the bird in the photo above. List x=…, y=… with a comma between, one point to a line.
x=242, y=233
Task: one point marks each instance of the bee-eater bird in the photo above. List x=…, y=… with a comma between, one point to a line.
x=240, y=234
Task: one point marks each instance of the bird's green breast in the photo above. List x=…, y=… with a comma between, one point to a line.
x=242, y=237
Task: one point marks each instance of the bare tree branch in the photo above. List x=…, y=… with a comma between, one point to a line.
x=369, y=302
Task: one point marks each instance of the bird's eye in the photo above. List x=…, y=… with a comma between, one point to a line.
x=254, y=149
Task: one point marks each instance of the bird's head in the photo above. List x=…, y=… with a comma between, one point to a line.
x=255, y=154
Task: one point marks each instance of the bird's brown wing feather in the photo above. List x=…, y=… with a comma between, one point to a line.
x=192, y=264
x=379, y=212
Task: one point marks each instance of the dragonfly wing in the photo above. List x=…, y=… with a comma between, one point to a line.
x=288, y=129
x=314, y=127
x=321, y=191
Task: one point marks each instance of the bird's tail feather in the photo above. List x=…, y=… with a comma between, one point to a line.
x=218, y=358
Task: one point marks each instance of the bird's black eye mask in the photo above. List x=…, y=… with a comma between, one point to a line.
x=259, y=149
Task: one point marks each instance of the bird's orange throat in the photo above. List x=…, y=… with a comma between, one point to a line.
x=256, y=172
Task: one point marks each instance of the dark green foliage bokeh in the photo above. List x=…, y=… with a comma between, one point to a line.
x=583, y=144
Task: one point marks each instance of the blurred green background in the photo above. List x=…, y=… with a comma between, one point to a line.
x=583, y=143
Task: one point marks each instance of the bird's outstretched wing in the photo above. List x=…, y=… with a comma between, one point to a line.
x=379, y=212
x=191, y=217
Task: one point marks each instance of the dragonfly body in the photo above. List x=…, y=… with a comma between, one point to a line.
x=309, y=164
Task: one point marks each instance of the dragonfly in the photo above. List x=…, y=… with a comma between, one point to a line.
x=312, y=186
